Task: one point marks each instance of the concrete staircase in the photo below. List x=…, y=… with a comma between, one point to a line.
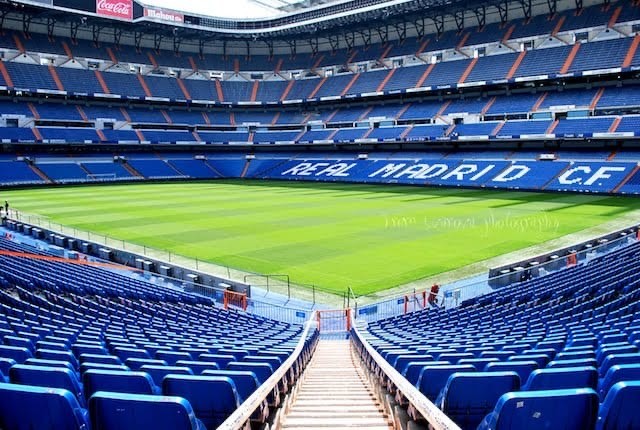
x=334, y=393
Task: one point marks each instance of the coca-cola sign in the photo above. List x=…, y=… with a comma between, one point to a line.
x=164, y=15
x=122, y=9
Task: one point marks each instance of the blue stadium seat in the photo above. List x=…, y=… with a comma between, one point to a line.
x=198, y=366
x=613, y=359
x=118, y=411
x=221, y=359
x=213, y=398
x=172, y=357
x=158, y=373
x=52, y=354
x=262, y=370
x=402, y=360
x=137, y=363
x=100, y=366
x=53, y=377
x=5, y=365
x=552, y=409
x=562, y=378
x=413, y=368
x=50, y=363
x=100, y=358
x=246, y=382
x=574, y=363
x=25, y=407
x=20, y=355
x=620, y=408
x=618, y=373
x=117, y=381
x=468, y=397
x=432, y=379
x=522, y=368
x=478, y=363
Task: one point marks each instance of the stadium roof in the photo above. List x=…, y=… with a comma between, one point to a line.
x=240, y=9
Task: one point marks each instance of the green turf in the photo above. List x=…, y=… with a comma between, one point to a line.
x=368, y=237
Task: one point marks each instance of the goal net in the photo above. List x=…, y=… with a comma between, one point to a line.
x=101, y=177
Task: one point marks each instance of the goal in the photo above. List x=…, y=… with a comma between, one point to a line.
x=96, y=177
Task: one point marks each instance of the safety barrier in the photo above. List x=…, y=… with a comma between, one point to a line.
x=283, y=377
x=384, y=375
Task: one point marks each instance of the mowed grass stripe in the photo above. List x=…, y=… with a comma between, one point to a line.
x=368, y=237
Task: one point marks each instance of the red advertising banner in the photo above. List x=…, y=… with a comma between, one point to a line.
x=122, y=9
x=164, y=15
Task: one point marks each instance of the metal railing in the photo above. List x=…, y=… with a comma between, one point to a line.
x=282, y=312
x=379, y=366
x=278, y=284
x=242, y=415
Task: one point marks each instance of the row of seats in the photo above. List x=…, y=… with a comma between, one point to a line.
x=516, y=29
x=601, y=100
x=566, y=345
x=595, y=55
x=88, y=337
x=587, y=127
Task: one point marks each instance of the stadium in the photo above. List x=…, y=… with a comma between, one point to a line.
x=319, y=214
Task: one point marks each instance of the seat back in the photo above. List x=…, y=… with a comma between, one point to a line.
x=49, y=363
x=522, y=368
x=5, y=365
x=401, y=361
x=125, y=352
x=25, y=407
x=562, y=378
x=478, y=363
x=158, y=373
x=221, y=359
x=117, y=381
x=137, y=363
x=620, y=408
x=19, y=354
x=100, y=358
x=262, y=370
x=549, y=409
x=580, y=362
x=119, y=411
x=613, y=359
x=468, y=397
x=213, y=398
x=53, y=377
x=172, y=357
x=432, y=379
x=246, y=382
x=275, y=362
x=53, y=354
x=413, y=368
x=89, y=365
x=198, y=366
x=618, y=373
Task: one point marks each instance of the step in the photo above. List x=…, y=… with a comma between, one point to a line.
x=323, y=407
x=338, y=414
x=335, y=422
x=332, y=402
x=341, y=397
x=385, y=427
x=333, y=389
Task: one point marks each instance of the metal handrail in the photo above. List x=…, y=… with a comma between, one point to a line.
x=241, y=416
x=436, y=418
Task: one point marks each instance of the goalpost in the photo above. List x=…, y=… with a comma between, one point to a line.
x=95, y=177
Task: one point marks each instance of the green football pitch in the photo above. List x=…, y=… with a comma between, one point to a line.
x=334, y=236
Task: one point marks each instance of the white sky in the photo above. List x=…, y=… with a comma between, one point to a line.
x=217, y=8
